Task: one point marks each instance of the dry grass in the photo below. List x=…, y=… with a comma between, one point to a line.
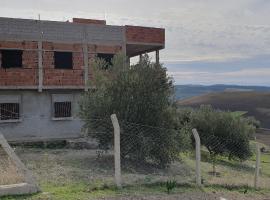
x=232, y=173
x=8, y=172
x=82, y=174
x=263, y=136
x=75, y=166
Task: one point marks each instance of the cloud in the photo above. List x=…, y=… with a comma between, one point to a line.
x=244, y=71
x=259, y=76
x=196, y=29
x=199, y=33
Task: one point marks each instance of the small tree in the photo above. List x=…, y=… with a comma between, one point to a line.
x=221, y=132
x=138, y=94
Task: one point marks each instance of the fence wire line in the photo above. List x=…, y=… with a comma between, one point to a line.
x=142, y=135
x=141, y=129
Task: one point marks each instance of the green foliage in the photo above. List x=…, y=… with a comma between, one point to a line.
x=239, y=113
x=222, y=133
x=254, y=122
x=250, y=120
x=170, y=185
x=138, y=94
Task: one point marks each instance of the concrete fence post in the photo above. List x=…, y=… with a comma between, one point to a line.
x=117, y=155
x=198, y=157
x=28, y=185
x=257, y=168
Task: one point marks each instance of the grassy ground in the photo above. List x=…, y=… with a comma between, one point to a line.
x=231, y=172
x=65, y=174
x=84, y=191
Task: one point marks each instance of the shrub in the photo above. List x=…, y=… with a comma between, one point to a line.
x=137, y=94
x=221, y=132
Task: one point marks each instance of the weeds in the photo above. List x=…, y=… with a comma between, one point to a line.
x=170, y=185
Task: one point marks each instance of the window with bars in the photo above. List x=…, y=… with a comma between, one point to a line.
x=9, y=111
x=62, y=109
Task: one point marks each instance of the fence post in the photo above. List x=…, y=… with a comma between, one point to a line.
x=198, y=157
x=257, y=168
x=117, y=158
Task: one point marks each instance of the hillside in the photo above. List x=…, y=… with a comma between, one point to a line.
x=187, y=91
x=256, y=104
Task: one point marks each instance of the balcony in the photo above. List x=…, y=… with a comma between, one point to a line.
x=140, y=40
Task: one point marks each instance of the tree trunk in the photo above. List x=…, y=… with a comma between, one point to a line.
x=213, y=158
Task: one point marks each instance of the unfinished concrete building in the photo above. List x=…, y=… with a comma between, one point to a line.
x=45, y=66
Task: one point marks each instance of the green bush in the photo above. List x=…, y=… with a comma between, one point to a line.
x=137, y=94
x=222, y=133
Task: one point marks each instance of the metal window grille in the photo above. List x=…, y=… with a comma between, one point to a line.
x=9, y=111
x=62, y=109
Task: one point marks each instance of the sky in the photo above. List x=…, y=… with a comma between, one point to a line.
x=207, y=41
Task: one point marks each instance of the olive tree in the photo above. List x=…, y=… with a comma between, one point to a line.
x=140, y=94
x=221, y=132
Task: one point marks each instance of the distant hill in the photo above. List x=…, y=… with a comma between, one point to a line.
x=187, y=91
x=256, y=104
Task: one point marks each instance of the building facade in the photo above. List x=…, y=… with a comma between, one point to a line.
x=45, y=66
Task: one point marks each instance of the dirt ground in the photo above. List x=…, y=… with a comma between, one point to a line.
x=67, y=165
x=8, y=171
x=59, y=168
x=193, y=196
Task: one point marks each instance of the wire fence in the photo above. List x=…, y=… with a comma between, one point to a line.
x=230, y=163
x=144, y=158
x=224, y=162
x=71, y=161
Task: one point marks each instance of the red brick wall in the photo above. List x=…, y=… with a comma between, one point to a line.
x=18, y=45
x=62, y=77
x=93, y=50
x=25, y=76
x=137, y=34
x=89, y=21
x=28, y=75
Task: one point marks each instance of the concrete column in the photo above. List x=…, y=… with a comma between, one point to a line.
x=124, y=44
x=198, y=156
x=117, y=153
x=86, y=66
x=40, y=66
x=140, y=57
x=157, y=56
x=128, y=61
x=124, y=48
